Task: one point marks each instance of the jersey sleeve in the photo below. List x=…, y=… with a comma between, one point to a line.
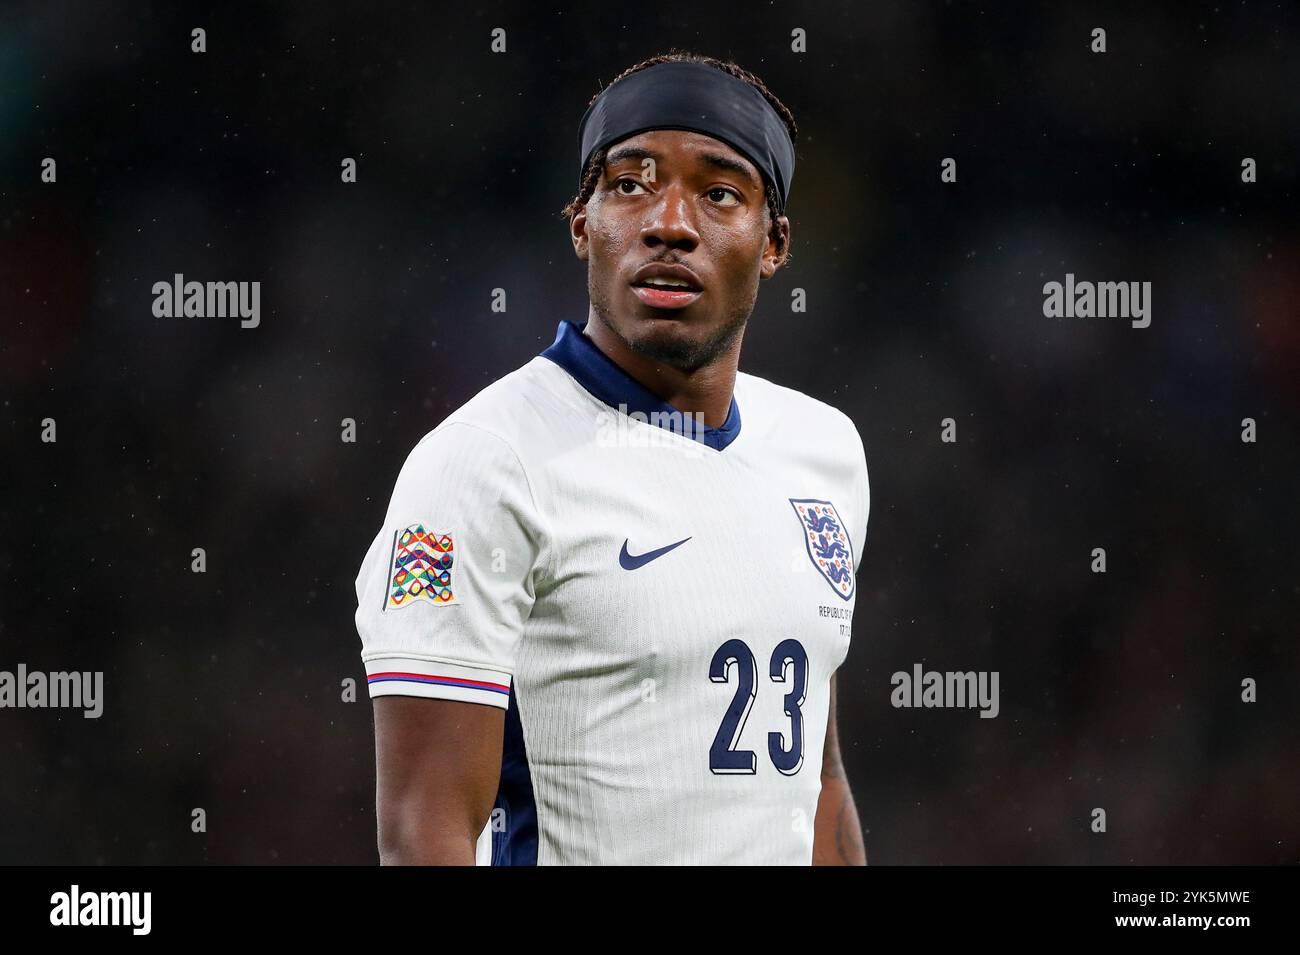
x=449, y=580
x=862, y=487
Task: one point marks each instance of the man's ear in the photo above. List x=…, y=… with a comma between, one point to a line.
x=777, y=250
x=578, y=233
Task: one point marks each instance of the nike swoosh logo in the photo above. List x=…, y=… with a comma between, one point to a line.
x=630, y=562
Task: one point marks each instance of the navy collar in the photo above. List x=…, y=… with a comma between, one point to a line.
x=597, y=373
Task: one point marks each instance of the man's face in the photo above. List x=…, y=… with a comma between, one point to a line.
x=698, y=205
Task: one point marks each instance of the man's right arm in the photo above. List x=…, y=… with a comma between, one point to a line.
x=442, y=598
x=437, y=766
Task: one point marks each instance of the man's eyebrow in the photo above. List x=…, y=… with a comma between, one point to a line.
x=720, y=161
x=630, y=152
x=717, y=160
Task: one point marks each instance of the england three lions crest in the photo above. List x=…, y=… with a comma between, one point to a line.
x=828, y=543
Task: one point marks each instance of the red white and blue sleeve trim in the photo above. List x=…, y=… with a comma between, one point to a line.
x=438, y=680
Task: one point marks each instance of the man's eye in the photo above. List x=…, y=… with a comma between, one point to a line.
x=720, y=195
x=627, y=182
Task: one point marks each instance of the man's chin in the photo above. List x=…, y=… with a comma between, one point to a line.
x=677, y=341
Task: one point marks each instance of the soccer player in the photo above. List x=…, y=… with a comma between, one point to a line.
x=602, y=618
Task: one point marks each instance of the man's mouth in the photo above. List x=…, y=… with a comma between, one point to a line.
x=666, y=291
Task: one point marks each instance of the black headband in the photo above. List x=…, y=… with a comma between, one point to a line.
x=698, y=98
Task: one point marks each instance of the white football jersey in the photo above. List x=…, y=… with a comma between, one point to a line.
x=658, y=605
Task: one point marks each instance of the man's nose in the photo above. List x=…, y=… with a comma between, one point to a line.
x=672, y=221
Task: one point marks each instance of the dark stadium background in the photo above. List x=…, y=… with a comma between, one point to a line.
x=1118, y=691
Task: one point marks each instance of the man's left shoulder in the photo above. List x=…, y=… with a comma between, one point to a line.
x=823, y=444
x=794, y=415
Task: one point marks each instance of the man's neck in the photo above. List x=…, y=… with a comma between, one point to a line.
x=706, y=390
